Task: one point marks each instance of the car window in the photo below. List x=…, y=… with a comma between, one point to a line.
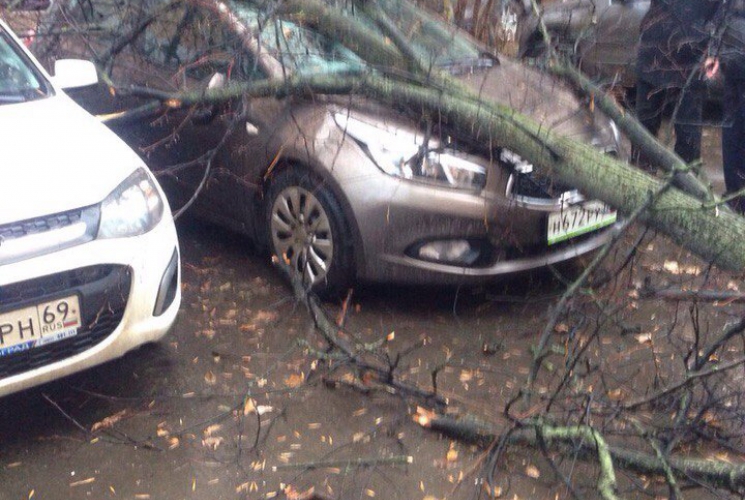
x=19, y=80
x=299, y=50
x=193, y=44
x=435, y=41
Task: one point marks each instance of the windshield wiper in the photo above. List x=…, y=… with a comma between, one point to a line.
x=20, y=95
x=11, y=98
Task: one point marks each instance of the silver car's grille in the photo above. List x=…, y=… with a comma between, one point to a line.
x=34, y=237
x=538, y=191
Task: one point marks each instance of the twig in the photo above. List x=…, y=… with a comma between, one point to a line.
x=678, y=294
x=347, y=464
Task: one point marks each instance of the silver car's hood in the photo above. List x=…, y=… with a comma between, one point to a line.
x=534, y=94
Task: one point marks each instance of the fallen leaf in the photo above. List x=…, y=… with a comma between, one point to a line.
x=265, y=316
x=423, y=416
x=210, y=430
x=493, y=491
x=675, y=268
x=452, y=454
x=292, y=494
x=644, y=338
x=295, y=380
x=82, y=482
x=532, y=471
x=261, y=409
x=213, y=442
x=249, y=406
x=210, y=378
x=615, y=395
x=561, y=328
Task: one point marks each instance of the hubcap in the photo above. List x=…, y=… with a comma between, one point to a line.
x=301, y=233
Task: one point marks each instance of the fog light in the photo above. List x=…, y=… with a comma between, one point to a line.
x=168, y=286
x=451, y=251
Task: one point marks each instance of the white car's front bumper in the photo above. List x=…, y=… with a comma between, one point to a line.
x=140, y=265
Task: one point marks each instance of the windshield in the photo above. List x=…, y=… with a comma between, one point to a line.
x=435, y=41
x=299, y=50
x=19, y=81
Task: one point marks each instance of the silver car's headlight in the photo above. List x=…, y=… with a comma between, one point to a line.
x=399, y=153
x=133, y=208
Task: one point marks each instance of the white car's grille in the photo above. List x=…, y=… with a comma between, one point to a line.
x=31, y=238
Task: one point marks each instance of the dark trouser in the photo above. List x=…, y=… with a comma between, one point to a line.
x=733, y=142
x=651, y=100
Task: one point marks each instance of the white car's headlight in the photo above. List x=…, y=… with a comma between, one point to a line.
x=402, y=154
x=133, y=208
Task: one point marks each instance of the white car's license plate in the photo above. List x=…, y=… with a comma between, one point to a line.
x=40, y=324
x=581, y=219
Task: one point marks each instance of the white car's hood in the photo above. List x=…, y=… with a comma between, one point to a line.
x=59, y=158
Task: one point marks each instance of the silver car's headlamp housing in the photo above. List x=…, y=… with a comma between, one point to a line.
x=400, y=153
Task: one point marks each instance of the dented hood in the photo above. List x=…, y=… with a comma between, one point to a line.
x=534, y=94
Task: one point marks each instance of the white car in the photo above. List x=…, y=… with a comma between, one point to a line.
x=89, y=259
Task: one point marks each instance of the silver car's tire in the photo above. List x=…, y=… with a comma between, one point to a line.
x=306, y=229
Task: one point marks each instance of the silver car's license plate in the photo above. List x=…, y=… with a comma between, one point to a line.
x=40, y=324
x=574, y=221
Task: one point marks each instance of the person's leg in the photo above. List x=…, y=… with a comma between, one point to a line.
x=688, y=122
x=650, y=101
x=733, y=147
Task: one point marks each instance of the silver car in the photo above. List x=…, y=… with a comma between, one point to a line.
x=342, y=188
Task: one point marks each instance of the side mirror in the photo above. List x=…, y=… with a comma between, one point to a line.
x=74, y=73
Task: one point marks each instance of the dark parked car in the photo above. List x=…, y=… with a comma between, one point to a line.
x=344, y=189
x=601, y=35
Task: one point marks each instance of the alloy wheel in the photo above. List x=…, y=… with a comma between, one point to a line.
x=301, y=233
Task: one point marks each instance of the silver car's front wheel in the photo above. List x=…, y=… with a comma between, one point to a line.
x=306, y=229
x=301, y=233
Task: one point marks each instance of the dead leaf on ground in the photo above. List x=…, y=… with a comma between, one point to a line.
x=674, y=267
x=423, y=416
x=211, y=430
x=492, y=491
x=210, y=378
x=452, y=454
x=249, y=406
x=532, y=471
x=262, y=409
x=616, y=394
x=295, y=380
x=213, y=442
x=265, y=316
x=644, y=338
x=292, y=494
x=561, y=328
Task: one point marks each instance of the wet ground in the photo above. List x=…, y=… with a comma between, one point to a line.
x=184, y=414
x=231, y=404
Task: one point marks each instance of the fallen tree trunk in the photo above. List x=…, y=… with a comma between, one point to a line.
x=713, y=234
